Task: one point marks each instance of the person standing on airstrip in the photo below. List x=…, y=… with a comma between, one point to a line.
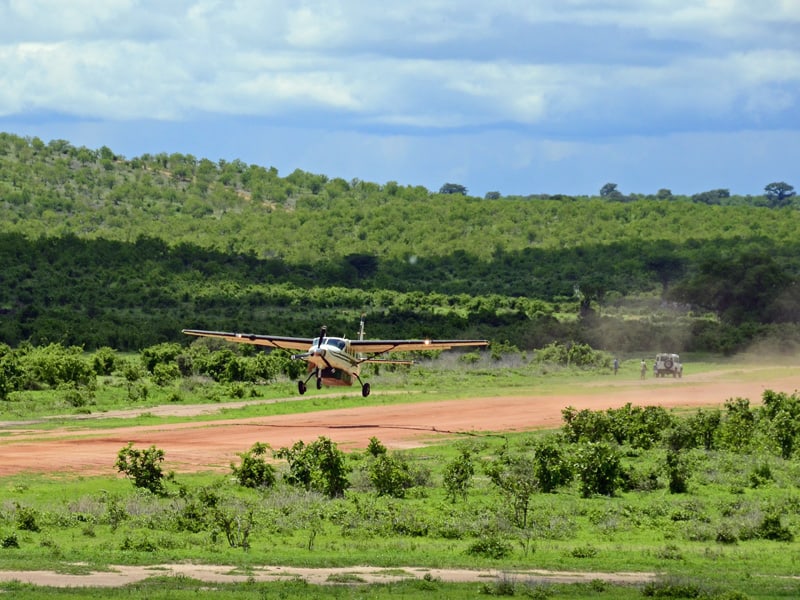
x=616, y=365
x=644, y=369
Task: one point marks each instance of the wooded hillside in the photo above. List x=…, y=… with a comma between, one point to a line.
x=101, y=250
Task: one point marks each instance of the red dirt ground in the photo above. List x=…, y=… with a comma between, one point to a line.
x=212, y=445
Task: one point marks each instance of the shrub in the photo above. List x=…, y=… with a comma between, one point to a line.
x=254, y=471
x=104, y=361
x=572, y=354
x=319, y=466
x=26, y=518
x=490, y=546
x=457, y=476
x=391, y=475
x=736, y=430
x=599, y=469
x=163, y=354
x=76, y=397
x=515, y=475
x=587, y=551
x=771, y=528
x=761, y=475
x=10, y=371
x=165, y=374
x=704, y=425
x=54, y=365
x=677, y=472
x=550, y=465
x=143, y=467
x=585, y=425
x=375, y=448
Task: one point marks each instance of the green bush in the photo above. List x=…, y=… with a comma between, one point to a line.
x=319, y=466
x=104, y=361
x=490, y=546
x=390, y=475
x=143, y=467
x=54, y=365
x=254, y=471
x=457, y=476
x=26, y=518
x=598, y=468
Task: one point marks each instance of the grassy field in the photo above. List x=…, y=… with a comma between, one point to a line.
x=713, y=541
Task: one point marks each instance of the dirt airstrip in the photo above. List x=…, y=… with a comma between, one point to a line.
x=212, y=445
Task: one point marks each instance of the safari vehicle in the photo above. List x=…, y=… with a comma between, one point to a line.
x=668, y=364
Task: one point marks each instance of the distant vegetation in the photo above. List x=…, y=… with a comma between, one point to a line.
x=98, y=250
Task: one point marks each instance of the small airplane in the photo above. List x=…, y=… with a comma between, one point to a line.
x=337, y=360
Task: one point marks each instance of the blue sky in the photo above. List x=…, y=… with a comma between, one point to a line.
x=520, y=97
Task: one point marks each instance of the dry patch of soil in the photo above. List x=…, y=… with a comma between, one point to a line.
x=118, y=576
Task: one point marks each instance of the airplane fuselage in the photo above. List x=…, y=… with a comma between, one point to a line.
x=332, y=360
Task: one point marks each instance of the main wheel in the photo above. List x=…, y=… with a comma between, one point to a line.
x=319, y=383
x=365, y=390
x=301, y=387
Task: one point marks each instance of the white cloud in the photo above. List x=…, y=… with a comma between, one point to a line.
x=552, y=72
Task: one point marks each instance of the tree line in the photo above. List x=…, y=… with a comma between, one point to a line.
x=99, y=250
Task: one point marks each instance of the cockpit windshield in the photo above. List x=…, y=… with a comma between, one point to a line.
x=338, y=342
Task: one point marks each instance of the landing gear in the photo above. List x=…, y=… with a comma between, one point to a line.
x=301, y=385
x=365, y=390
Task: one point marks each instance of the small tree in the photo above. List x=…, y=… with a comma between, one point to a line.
x=391, y=475
x=143, y=467
x=610, y=192
x=10, y=371
x=737, y=428
x=458, y=475
x=599, y=469
x=165, y=353
x=779, y=194
x=453, y=188
x=104, y=361
x=515, y=475
x=319, y=466
x=375, y=448
x=550, y=465
x=254, y=471
x=704, y=425
x=677, y=471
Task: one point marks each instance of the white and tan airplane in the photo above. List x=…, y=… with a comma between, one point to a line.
x=337, y=360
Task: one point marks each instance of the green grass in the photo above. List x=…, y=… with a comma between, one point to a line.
x=703, y=539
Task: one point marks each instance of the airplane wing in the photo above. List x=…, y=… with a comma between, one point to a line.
x=271, y=341
x=358, y=346
x=382, y=346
